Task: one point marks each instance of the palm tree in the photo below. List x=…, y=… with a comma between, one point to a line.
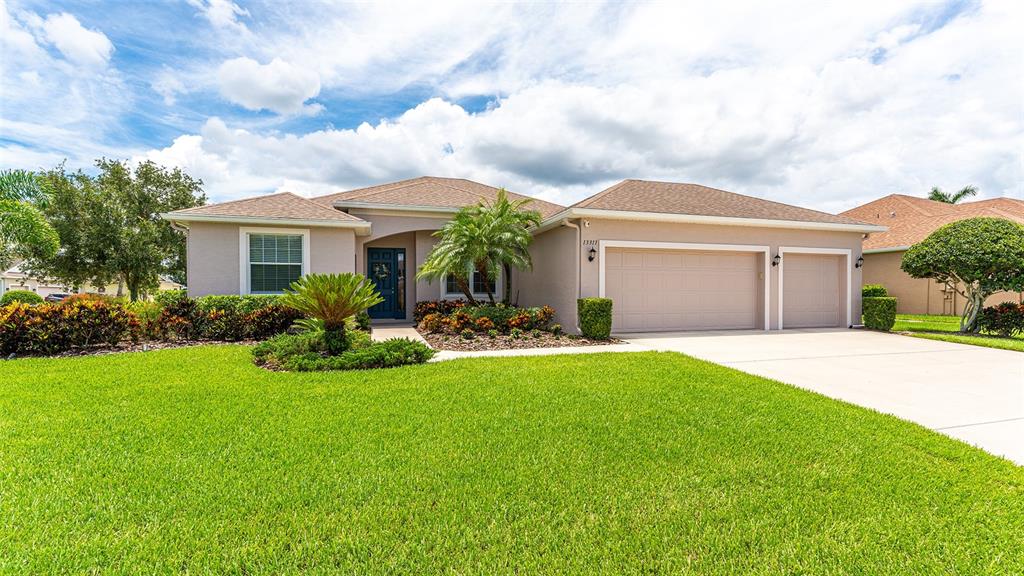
x=332, y=299
x=938, y=195
x=23, y=228
x=486, y=237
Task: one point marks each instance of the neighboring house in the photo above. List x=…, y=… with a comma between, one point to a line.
x=671, y=256
x=14, y=279
x=910, y=220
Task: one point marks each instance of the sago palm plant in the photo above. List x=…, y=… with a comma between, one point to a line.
x=332, y=299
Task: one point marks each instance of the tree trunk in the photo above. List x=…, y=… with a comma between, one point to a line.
x=133, y=288
x=120, y=286
x=464, y=288
x=969, y=319
x=488, y=284
x=335, y=340
x=508, y=283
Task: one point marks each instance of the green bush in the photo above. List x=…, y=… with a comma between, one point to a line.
x=1006, y=319
x=595, y=317
x=873, y=291
x=306, y=352
x=227, y=317
x=168, y=297
x=880, y=312
x=23, y=296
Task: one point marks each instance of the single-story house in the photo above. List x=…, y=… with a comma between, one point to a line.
x=671, y=256
x=910, y=220
x=15, y=279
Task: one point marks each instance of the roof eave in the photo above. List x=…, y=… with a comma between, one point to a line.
x=556, y=219
x=884, y=250
x=395, y=207
x=361, y=228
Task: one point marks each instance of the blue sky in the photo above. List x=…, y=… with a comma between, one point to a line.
x=823, y=105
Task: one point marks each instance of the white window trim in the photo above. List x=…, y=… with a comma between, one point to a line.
x=602, y=245
x=243, y=251
x=809, y=250
x=498, y=288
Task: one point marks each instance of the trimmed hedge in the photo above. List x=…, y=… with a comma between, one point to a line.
x=880, y=312
x=456, y=318
x=23, y=296
x=595, y=317
x=873, y=291
x=56, y=328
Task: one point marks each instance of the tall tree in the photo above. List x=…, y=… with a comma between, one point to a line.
x=486, y=237
x=110, y=225
x=939, y=195
x=24, y=230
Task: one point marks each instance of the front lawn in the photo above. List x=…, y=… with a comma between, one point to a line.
x=195, y=460
x=940, y=328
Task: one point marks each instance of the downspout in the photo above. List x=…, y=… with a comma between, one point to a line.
x=579, y=264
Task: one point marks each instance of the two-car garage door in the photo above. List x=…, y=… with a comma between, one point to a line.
x=682, y=289
x=663, y=290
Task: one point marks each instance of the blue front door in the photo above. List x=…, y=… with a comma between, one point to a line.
x=385, y=267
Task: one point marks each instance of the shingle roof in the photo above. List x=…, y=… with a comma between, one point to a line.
x=283, y=205
x=431, y=191
x=697, y=200
x=911, y=219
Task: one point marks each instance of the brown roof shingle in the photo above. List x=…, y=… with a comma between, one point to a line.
x=697, y=200
x=911, y=219
x=283, y=205
x=431, y=191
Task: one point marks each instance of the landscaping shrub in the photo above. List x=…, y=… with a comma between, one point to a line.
x=484, y=324
x=167, y=297
x=23, y=296
x=595, y=317
x=499, y=314
x=874, y=291
x=880, y=313
x=55, y=328
x=1006, y=319
x=307, y=352
x=363, y=321
x=457, y=321
x=442, y=307
x=467, y=334
x=432, y=322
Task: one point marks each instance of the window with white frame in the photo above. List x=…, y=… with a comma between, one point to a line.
x=274, y=261
x=451, y=287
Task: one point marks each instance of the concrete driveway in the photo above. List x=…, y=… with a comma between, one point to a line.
x=967, y=392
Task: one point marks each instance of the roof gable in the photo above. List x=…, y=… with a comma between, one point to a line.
x=282, y=205
x=430, y=191
x=697, y=200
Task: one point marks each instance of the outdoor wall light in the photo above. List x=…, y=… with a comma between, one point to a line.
x=860, y=262
x=591, y=254
x=776, y=260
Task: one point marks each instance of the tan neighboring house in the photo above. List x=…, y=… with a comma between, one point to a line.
x=14, y=279
x=910, y=220
x=671, y=256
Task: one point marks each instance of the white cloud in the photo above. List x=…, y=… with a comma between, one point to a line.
x=222, y=13
x=79, y=45
x=168, y=85
x=277, y=86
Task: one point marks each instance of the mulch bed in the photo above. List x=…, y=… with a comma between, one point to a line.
x=504, y=342
x=129, y=347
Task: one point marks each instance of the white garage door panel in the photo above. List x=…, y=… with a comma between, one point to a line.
x=811, y=291
x=656, y=290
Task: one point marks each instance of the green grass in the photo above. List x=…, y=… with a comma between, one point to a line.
x=194, y=460
x=939, y=328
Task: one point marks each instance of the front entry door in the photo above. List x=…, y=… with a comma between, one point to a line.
x=385, y=267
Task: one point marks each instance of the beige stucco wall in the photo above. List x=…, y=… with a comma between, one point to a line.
x=919, y=295
x=213, y=257
x=553, y=279
x=668, y=232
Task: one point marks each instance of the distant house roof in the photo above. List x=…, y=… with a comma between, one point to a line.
x=280, y=208
x=697, y=200
x=912, y=219
x=427, y=192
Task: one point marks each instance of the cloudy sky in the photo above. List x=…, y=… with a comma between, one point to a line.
x=821, y=104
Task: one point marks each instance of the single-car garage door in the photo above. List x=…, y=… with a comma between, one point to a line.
x=811, y=291
x=662, y=290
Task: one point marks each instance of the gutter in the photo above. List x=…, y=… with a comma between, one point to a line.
x=884, y=250
x=362, y=228
x=573, y=213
